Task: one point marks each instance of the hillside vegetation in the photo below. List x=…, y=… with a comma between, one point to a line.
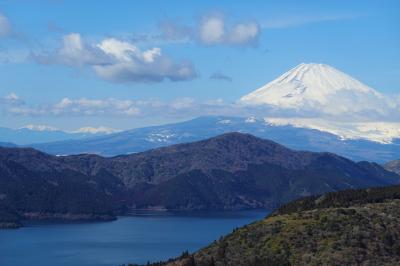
x=354, y=227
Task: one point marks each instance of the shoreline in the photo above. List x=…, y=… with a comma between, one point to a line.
x=31, y=218
x=28, y=219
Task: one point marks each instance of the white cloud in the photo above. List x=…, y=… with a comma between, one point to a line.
x=379, y=131
x=134, y=65
x=94, y=107
x=183, y=103
x=5, y=26
x=150, y=55
x=11, y=100
x=40, y=127
x=25, y=110
x=244, y=33
x=10, y=105
x=88, y=129
x=12, y=97
x=119, y=49
x=213, y=30
x=75, y=52
x=65, y=102
x=181, y=107
x=118, y=61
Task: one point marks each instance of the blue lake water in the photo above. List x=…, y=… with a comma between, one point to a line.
x=144, y=236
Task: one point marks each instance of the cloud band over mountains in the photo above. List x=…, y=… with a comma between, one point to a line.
x=338, y=109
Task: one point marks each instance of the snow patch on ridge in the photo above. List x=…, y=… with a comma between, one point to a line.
x=161, y=136
x=250, y=119
x=224, y=122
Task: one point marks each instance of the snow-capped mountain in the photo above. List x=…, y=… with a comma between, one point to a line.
x=311, y=85
x=321, y=97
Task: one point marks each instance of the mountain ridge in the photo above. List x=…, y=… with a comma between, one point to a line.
x=228, y=172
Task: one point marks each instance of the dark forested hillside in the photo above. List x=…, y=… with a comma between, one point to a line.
x=231, y=171
x=36, y=185
x=354, y=227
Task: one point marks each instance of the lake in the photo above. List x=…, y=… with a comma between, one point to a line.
x=144, y=236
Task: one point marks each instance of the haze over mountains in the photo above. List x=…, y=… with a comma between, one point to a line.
x=230, y=171
x=142, y=139
x=39, y=133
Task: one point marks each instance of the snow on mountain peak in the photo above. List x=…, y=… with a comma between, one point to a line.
x=309, y=85
x=321, y=97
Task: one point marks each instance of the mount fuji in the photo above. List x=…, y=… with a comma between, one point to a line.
x=312, y=85
x=321, y=97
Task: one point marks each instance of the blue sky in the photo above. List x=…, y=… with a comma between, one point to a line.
x=261, y=40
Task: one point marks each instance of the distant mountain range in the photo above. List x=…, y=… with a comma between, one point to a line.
x=352, y=227
x=38, y=134
x=142, y=139
x=230, y=171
